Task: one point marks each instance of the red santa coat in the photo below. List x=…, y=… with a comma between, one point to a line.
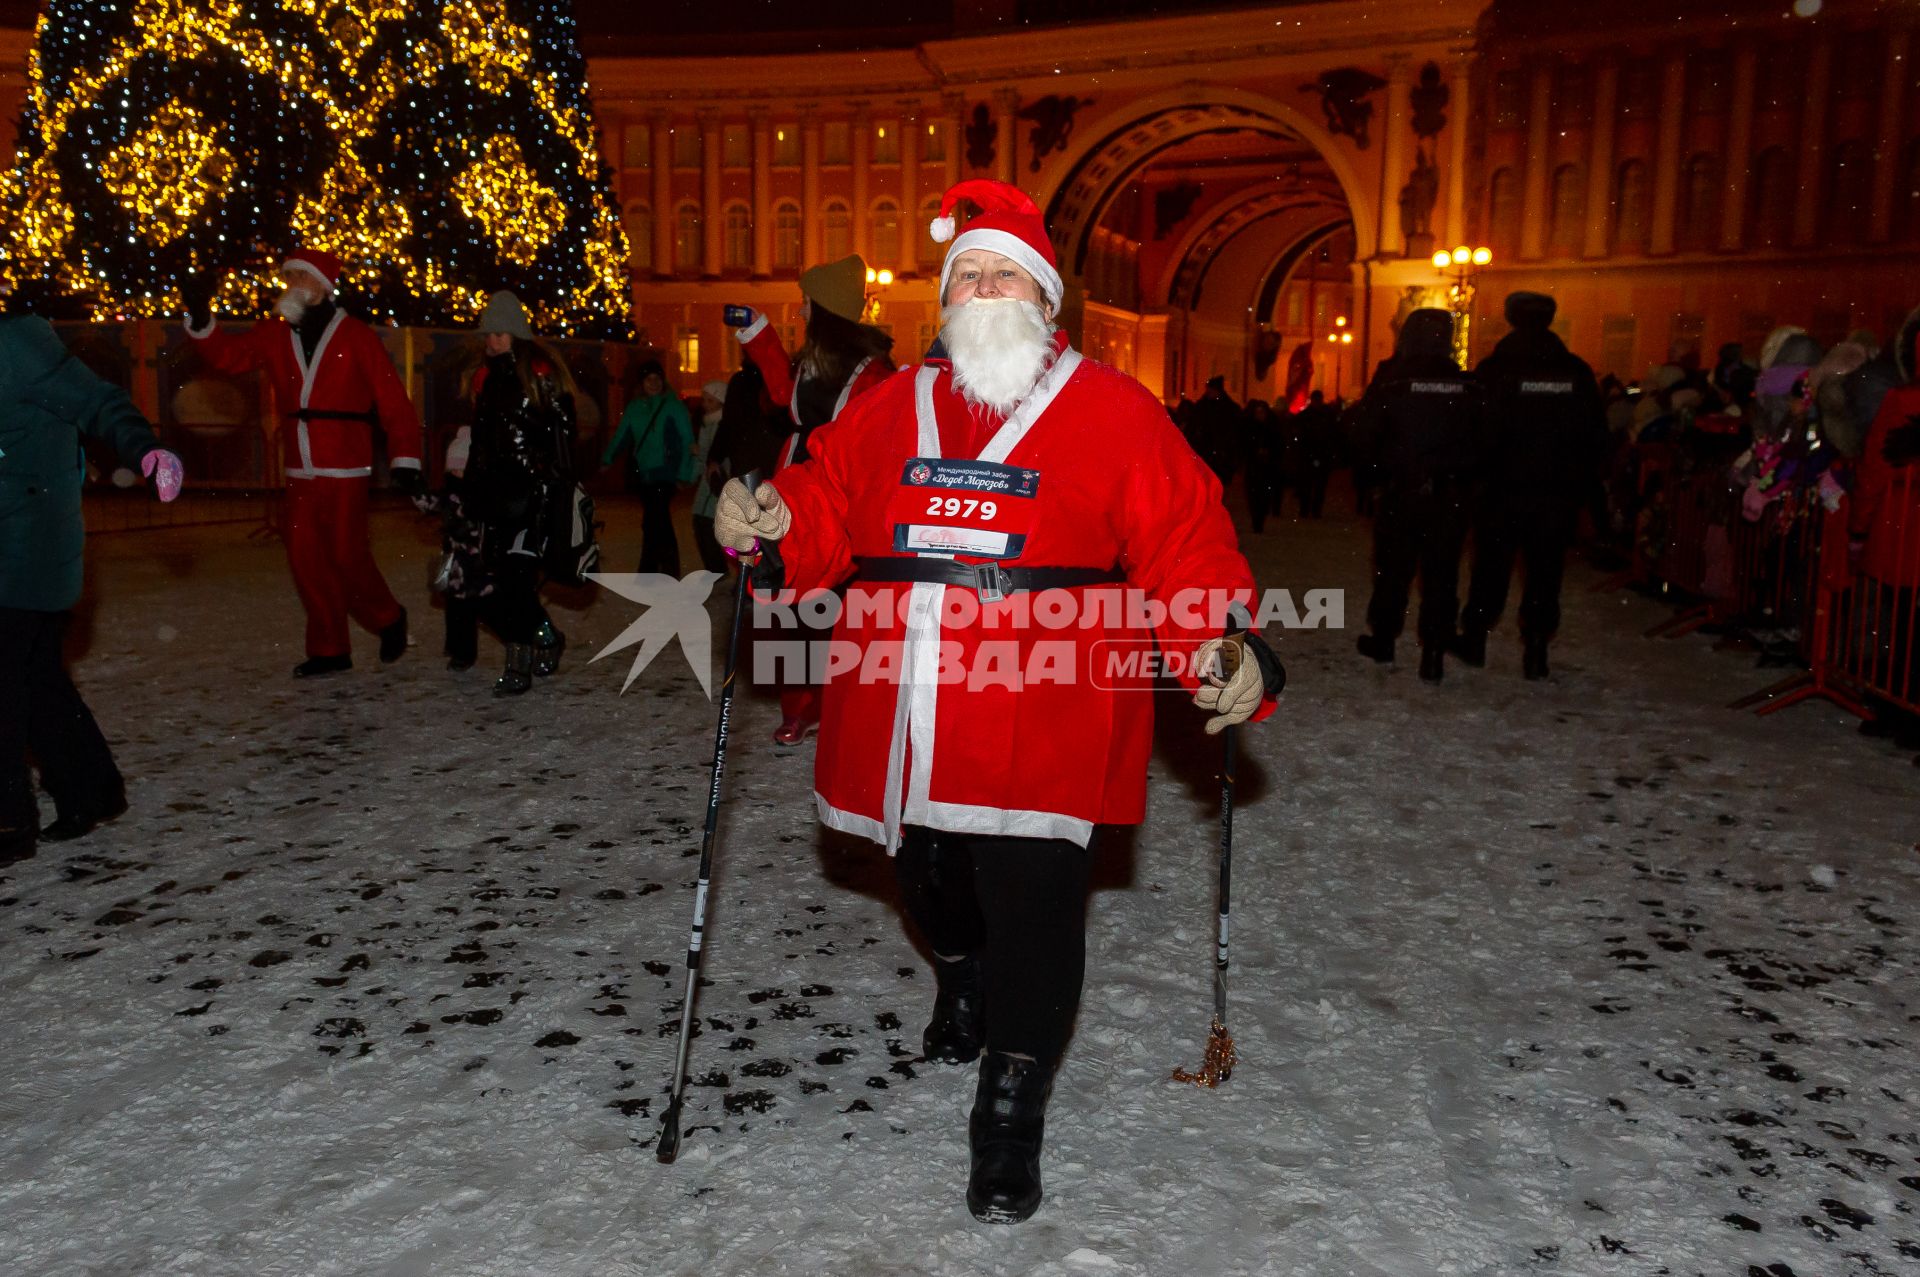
x=1886, y=498
x=762, y=345
x=1118, y=487
x=350, y=373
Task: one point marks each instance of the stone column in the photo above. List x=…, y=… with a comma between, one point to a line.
x=1733, y=196
x=1536, y=197
x=1393, y=158
x=1606, y=107
x=1666, y=164
x=809, y=190
x=662, y=192
x=1886, y=168
x=1813, y=136
x=1006, y=103
x=1458, y=115
x=862, y=159
x=910, y=228
x=956, y=116
x=712, y=223
x=762, y=193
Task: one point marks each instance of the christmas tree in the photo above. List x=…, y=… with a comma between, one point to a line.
x=441, y=148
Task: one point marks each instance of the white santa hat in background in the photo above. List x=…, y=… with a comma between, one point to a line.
x=1009, y=224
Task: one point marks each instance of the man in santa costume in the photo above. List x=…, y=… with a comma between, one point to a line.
x=332, y=383
x=1007, y=481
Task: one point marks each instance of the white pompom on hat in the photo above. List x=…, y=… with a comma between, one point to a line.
x=1009, y=224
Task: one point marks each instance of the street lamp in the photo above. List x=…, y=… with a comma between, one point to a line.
x=1464, y=264
x=1340, y=338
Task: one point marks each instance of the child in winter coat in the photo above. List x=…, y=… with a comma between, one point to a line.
x=461, y=577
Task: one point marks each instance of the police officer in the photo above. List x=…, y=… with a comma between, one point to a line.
x=1421, y=423
x=1548, y=429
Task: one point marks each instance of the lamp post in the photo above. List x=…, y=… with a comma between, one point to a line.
x=1464, y=265
x=1340, y=338
x=877, y=282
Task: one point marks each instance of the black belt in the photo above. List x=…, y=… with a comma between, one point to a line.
x=991, y=580
x=329, y=414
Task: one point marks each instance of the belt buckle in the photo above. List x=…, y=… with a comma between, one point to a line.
x=991, y=582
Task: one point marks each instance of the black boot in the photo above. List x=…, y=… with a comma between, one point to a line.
x=958, y=1026
x=1377, y=649
x=1009, y=1118
x=1471, y=647
x=17, y=845
x=1433, y=664
x=315, y=666
x=1533, y=661
x=518, y=676
x=79, y=824
x=393, y=640
x=548, y=644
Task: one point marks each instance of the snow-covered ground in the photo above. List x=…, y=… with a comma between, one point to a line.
x=381, y=974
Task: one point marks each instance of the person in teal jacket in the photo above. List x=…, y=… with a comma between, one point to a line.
x=657, y=437
x=48, y=399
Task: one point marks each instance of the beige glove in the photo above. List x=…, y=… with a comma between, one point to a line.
x=1232, y=686
x=742, y=519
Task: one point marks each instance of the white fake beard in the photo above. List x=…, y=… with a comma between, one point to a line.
x=291, y=307
x=1000, y=347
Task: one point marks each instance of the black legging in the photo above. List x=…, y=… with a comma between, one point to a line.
x=659, y=546
x=1020, y=906
x=41, y=712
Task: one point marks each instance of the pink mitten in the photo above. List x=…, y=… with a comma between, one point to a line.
x=163, y=468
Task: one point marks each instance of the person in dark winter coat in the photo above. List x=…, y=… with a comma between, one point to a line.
x=48, y=400
x=1264, y=448
x=1547, y=441
x=521, y=449
x=1315, y=451
x=1216, y=430
x=1422, y=424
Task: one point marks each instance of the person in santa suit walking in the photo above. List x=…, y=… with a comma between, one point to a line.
x=1008, y=465
x=332, y=383
x=841, y=360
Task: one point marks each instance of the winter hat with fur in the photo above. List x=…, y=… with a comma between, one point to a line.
x=1531, y=310
x=1009, y=224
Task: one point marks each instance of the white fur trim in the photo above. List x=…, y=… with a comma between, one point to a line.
x=299, y=263
x=747, y=334
x=404, y=463
x=942, y=229
x=199, y=333
x=1010, y=245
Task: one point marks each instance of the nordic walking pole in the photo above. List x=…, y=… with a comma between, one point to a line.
x=669, y=1146
x=1217, y=1065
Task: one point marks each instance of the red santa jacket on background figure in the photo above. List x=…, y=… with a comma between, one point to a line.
x=350, y=373
x=1118, y=487
x=762, y=345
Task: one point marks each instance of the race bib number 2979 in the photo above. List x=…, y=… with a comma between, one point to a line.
x=979, y=508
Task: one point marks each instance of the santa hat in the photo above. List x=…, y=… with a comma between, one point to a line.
x=324, y=267
x=1009, y=224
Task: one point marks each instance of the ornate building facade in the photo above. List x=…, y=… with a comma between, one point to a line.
x=1231, y=187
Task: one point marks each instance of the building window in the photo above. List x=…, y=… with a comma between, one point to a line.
x=884, y=232
x=1689, y=337
x=927, y=333
x=1573, y=94
x=739, y=236
x=1773, y=195
x=1633, y=206
x=886, y=144
x=638, y=221
x=1509, y=99
x=836, y=226
x=1709, y=82
x=1503, y=211
x=931, y=254
x=686, y=146
x=1849, y=192
x=686, y=349
x=933, y=143
x=834, y=143
x=1639, y=89
x=736, y=146
x=1617, y=334
x=1857, y=64
x=636, y=147
x=1568, y=223
x=1906, y=197
x=686, y=237
x=786, y=146
x=786, y=235
x=1699, y=204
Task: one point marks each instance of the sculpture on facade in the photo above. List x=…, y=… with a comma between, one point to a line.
x=1052, y=118
x=1343, y=100
x=981, y=138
